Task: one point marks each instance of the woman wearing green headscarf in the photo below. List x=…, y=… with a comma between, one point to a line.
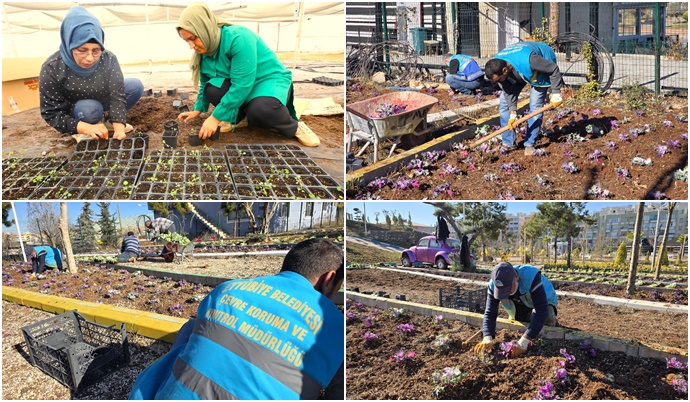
x=239, y=75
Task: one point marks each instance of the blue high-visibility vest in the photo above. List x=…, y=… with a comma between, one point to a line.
x=518, y=56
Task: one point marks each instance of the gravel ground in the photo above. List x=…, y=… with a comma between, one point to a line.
x=20, y=380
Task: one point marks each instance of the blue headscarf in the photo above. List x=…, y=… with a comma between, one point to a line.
x=79, y=27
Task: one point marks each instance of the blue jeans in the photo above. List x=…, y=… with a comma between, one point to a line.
x=465, y=87
x=91, y=111
x=537, y=98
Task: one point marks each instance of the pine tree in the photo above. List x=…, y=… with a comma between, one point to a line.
x=664, y=257
x=621, y=255
x=107, y=224
x=83, y=235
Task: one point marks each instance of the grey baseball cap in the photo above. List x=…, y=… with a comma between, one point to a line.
x=503, y=276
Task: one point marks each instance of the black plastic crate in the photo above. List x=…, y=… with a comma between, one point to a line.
x=21, y=177
x=462, y=299
x=75, y=351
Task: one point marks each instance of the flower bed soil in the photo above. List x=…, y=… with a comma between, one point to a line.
x=490, y=174
x=372, y=375
x=645, y=326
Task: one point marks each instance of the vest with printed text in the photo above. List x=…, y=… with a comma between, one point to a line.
x=273, y=337
x=518, y=56
x=468, y=69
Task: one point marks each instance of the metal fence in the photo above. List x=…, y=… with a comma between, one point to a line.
x=646, y=42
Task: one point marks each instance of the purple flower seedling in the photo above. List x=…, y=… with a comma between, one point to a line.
x=614, y=124
x=641, y=113
x=597, y=191
x=405, y=184
x=623, y=173
x=507, y=347
x=624, y=137
x=401, y=356
x=507, y=197
x=479, y=98
x=370, y=337
x=569, y=167
x=379, y=183
x=611, y=145
x=540, y=152
x=626, y=120
x=398, y=312
x=595, y=155
x=369, y=321
x=680, y=385
x=438, y=319
x=561, y=373
x=442, y=343
x=406, y=328
x=491, y=177
x=356, y=87
x=351, y=316
x=661, y=150
x=657, y=195
x=674, y=364
x=596, y=112
x=684, y=136
x=441, y=189
x=570, y=359
x=541, y=182
x=448, y=169
x=674, y=143
x=512, y=167
x=635, y=132
x=586, y=345
x=358, y=305
x=667, y=123
x=546, y=391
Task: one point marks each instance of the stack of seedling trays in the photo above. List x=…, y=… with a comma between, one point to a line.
x=462, y=299
x=75, y=351
x=185, y=175
x=23, y=177
x=101, y=170
x=282, y=171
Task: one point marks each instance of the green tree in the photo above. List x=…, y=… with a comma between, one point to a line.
x=6, y=208
x=534, y=228
x=84, y=233
x=681, y=239
x=409, y=219
x=663, y=259
x=664, y=255
x=621, y=255
x=388, y=221
x=107, y=224
x=485, y=220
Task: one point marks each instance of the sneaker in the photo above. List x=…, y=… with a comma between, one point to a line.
x=507, y=148
x=305, y=136
x=32, y=276
x=225, y=127
x=529, y=150
x=109, y=126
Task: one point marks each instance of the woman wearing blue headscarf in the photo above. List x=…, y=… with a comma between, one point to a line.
x=82, y=84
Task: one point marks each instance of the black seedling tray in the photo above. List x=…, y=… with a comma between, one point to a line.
x=22, y=177
x=101, y=170
x=331, y=82
x=278, y=171
x=75, y=351
x=462, y=299
x=185, y=175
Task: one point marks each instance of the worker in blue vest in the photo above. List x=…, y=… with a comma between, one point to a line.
x=464, y=75
x=512, y=68
x=526, y=295
x=272, y=337
x=42, y=257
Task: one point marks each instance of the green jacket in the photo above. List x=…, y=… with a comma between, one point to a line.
x=253, y=69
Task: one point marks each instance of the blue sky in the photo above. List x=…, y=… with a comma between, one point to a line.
x=74, y=209
x=424, y=213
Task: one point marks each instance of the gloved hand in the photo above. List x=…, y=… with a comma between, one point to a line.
x=512, y=120
x=485, y=345
x=520, y=347
x=556, y=100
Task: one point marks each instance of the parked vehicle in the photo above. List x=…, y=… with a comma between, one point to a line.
x=431, y=251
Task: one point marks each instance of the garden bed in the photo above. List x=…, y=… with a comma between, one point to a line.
x=649, y=327
x=599, y=150
x=373, y=371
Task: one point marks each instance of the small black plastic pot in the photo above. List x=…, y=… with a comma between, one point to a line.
x=170, y=125
x=170, y=139
x=194, y=140
x=172, y=92
x=216, y=135
x=157, y=94
x=147, y=92
x=184, y=95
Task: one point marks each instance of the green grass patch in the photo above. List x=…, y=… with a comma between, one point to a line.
x=357, y=253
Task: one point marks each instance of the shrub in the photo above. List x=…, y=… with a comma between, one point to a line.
x=634, y=95
x=621, y=255
x=664, y=257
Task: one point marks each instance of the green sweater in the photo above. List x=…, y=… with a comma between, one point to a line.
x=253, y=69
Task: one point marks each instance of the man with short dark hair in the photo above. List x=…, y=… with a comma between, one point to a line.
x=512, y=68
x=130, y=250
x=272, y=337
x=465, y=75
x=160, y=226
x=526, y=295
x=42, y=257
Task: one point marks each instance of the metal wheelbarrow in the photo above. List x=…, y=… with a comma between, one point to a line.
x=372, y=129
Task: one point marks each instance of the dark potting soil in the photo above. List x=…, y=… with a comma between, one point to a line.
x=371, y=374
x=645, y=326
x=490, y=174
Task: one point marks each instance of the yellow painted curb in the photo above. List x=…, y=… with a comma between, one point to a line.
x=150, y=325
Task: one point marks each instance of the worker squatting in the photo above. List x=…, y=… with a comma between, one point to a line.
x=313, y=320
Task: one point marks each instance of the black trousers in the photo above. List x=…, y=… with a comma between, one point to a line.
x=261, y=112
